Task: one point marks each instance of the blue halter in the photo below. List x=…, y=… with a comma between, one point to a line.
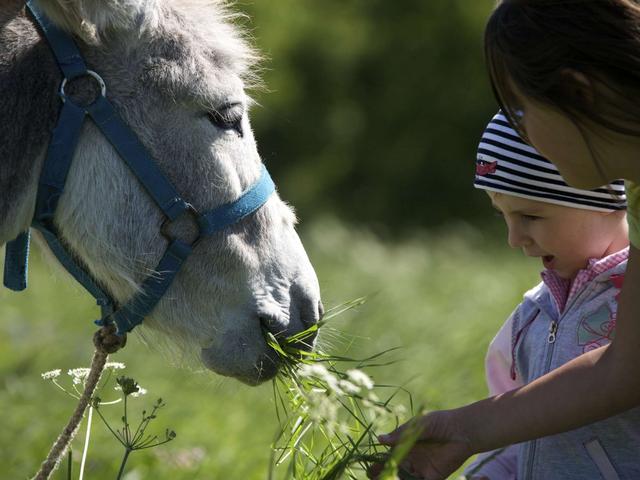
x=54, y=173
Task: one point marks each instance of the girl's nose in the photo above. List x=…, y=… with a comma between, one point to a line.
x=518, y=238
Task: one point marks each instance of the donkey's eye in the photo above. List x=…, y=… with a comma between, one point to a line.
x=228, y=117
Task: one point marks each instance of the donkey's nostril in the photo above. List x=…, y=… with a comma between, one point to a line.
x=273, y=324
x=311, y=312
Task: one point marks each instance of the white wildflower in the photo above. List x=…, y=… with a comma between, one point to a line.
x=115, y=365
x=79, y=375
x=373, y=397
x=316, y=370
x=349, y=388
x=51, y=374
x=319, y=372
x=334, y=384
x=360, y=378
x=141, y=391
x=322, y=409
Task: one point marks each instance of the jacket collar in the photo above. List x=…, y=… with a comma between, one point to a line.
x=562, y=291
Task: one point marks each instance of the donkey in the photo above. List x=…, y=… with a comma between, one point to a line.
x=176, y=71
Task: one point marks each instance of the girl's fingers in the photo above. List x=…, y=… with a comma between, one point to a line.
x=374, y=470
x=388, y=439
x=394, y=437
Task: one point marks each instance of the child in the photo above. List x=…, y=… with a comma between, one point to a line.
x=566, y=75
x=581, y=238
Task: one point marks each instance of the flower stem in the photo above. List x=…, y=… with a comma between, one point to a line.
x=127, y=451
x=86, y=442
x=69, y=464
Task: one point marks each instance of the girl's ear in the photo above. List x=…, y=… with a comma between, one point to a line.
x=90, y=19
x=578, y=85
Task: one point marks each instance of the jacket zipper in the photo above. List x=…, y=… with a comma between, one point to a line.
x=553, y=329
x=551, y=340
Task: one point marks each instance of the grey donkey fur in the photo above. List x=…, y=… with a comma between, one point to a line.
x=168, y=66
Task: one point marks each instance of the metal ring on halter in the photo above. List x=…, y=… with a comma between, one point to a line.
x=90, y=73
x=191, y=211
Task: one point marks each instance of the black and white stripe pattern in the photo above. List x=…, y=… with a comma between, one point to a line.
x=506, y=164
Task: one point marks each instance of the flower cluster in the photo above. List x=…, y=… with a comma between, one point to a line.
x=78, y=377
x=129, y=386
x=131, y=439
x=329, y=416
x=51, y=374
x=323, y=393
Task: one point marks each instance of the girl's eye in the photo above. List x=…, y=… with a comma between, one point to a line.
x=517, y=119
x=531, y=218
x=228, y=117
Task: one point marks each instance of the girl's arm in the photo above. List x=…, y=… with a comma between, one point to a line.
x=593, y=386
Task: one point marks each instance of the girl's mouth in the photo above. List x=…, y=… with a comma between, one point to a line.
x=548, y=261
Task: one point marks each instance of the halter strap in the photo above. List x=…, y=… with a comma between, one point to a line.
x=53, y=177
x=64, y=48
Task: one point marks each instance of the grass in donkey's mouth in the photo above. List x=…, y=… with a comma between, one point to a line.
x=330, y=410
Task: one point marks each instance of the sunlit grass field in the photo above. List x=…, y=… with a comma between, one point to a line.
x=441, y=297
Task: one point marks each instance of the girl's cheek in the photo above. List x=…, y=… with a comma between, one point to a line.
x=534, y=139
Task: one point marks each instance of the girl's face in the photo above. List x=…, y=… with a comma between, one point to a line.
x=557, y=138
x=572, y=149
x=563, y=238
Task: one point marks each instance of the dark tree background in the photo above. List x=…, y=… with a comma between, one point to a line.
x=373, y=108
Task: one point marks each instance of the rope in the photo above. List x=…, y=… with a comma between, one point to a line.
x=106, y=342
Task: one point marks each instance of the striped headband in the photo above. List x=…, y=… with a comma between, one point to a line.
x=507, y=164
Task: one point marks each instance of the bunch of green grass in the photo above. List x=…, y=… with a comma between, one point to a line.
x=330, y=412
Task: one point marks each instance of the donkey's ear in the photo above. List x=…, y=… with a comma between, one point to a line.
x=91, y=19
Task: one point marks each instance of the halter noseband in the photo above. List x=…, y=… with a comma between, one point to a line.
x=54, y=174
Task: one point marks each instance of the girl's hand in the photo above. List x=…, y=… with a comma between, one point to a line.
x=440, y=450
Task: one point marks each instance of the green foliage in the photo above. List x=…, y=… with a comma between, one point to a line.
x=138, y=439
x=373, y=108
x=329, y=410
x=440, y=297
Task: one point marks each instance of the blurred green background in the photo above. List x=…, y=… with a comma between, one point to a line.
x=439, y=296
x=369, y=122
x=374, y=108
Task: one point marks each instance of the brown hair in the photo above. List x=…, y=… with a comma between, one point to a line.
x=532, y=44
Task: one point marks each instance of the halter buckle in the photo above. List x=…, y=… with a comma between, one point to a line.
x=190, y=211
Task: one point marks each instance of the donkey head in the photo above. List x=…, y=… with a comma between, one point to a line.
x=176, y=71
